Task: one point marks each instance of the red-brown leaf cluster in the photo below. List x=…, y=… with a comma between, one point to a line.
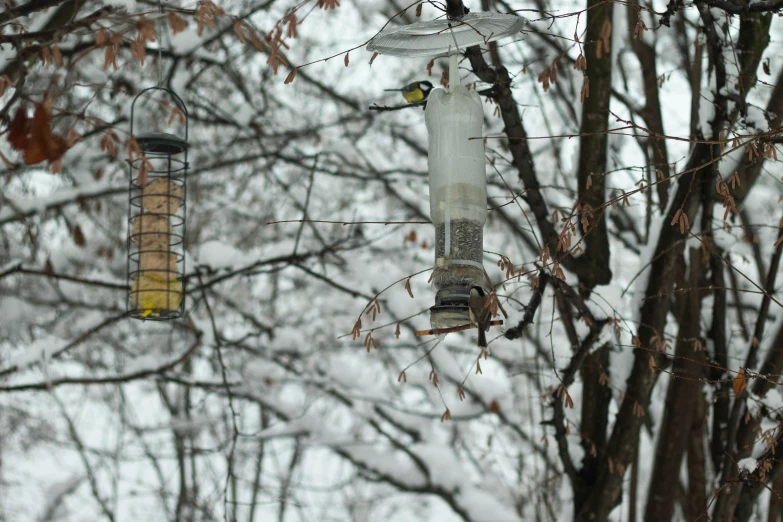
x=328, y=5
x=33, y=137
x=205, y=15
x=275, y=39
x=146, y=33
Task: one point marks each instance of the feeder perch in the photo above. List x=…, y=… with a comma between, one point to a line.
x=156, y=218
x=457, y=166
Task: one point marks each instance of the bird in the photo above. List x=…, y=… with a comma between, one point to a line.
x=153, y=295
x=479, y=313
x=414, y=92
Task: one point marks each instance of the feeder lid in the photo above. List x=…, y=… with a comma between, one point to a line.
x=434, y=37
x=161, y=142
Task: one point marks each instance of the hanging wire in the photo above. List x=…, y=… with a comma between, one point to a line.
x=451, y=30
x=160, y=45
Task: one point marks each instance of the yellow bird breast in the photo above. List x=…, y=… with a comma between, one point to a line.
x=413, y=96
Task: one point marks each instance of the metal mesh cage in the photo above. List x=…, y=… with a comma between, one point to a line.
x=157, y=201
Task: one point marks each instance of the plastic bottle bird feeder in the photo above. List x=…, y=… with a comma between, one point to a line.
x=457, y=166
x=156, y=218
x=458, y=197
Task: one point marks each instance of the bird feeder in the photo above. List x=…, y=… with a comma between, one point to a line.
x=156, y=214
x=457, y=166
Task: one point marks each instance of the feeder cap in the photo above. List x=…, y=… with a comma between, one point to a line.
x=434, y=37
x=161, y=142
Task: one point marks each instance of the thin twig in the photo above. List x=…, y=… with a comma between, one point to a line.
x=229, y=394
x=306, y=203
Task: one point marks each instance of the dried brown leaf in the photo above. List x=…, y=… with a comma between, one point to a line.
x=101, y=38
x=177, y=114
x=638, y=410
x=585, y=93
x=606, y=34
x=5, y=82
x=328, y=5
x=676, y=217
x=131, y=146
x=275, y=59
x=255, y=40
x=57, y=57
x=357, y=329
x=109, y=58
x=33, y=137
x=740, y=383
x=291, y=76
x=78, y=236
x=146, y=29
x=543, y=79
x=144, y=169
x=73, y=137
x=238, y=30
x=138, y=50
x=177, y=23
x=290, y=19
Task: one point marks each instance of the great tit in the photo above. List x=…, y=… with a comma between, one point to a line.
x=480, y=315
x=414, y=92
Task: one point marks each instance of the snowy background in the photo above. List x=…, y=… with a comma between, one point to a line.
x=262, y=406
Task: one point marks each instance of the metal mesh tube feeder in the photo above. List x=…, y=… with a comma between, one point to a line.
x=157, y=210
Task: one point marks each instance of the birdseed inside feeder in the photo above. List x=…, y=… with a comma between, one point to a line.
x=156, y=217
x=457, y=166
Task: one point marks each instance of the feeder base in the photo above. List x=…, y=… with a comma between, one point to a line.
x=451, y=307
